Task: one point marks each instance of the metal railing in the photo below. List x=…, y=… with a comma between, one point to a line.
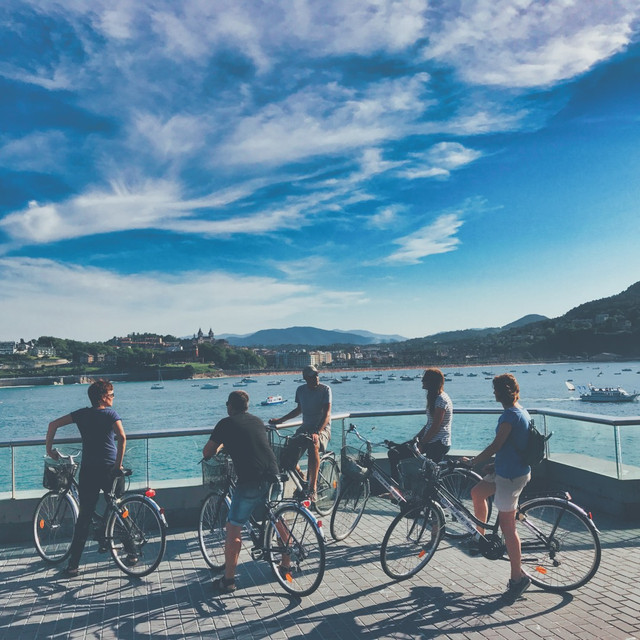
x=600, y=435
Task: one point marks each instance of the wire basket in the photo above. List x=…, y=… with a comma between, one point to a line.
x=354, y=462
x=216, y=472
x=58, y=474
x=418, y=478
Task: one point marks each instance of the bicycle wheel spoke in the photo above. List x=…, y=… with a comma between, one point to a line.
x=53, y=524
x=459, y=482
x=137, y=540
x=560, y=547
x=411, y=541
x=327, y=489
x=295, y=550
x=349, y=508
x=212, y=530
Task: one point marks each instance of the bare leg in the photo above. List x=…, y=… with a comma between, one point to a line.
x=232, y=551
x=507, y=520
x=479, y=494
x=314, y=465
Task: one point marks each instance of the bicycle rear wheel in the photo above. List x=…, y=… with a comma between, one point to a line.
x=212, y=530
x=54, y=521
x=459, y=483
x=328, y=486
x=295, y=550
x=560, y=545
x=411, y=540
x=137, y=537
x=349, y=508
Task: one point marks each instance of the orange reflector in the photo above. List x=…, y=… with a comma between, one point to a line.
x=541, y=570
x=306, y=503
x=150, y=493
x=125, y=513
x=288, y=577
x=422, y=554
x=335, y=484
x=41, y=524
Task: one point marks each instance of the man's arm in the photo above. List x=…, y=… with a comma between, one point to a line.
x=51, y=432
x=210, y=449
x=122, y=444
x=294, y=413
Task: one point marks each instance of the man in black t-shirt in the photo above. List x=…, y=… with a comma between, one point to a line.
x=244, y=438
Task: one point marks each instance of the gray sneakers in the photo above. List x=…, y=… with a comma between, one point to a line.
x=515, y=588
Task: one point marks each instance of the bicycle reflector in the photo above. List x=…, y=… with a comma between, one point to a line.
x=41, y=523
x=150, y=493
x=125, y=513
x=306, y=503
x=541, y=570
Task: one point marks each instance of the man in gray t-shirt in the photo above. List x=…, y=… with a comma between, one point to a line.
x=313, y=401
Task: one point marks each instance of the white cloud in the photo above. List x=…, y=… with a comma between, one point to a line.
x=526, y=43
x=439, y=160
x=94, y=304
x=437, y=237
x=385, y=217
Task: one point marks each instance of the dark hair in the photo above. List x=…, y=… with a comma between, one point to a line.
x=506, y=389
x=97, y=390
x=433, y=380
x=238, y=401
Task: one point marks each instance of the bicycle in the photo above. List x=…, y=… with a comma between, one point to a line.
x=133, y=527
x=328, y=484
x=358, y=468
x=560, y=543
x=285, y=533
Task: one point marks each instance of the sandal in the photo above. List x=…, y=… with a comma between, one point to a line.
x=225, y=585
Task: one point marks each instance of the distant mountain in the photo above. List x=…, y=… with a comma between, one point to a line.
x=471, y=334
x=525, y=320
x=307, y=337
x=376, y=338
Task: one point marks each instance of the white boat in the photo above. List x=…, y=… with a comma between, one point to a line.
x=274, y=383
x=377, y=381
x=273, y=400
x=607, y=394
x=570, y=385
x=209, y=385
x=248, y=380
x=242, y=383
x=159, y=384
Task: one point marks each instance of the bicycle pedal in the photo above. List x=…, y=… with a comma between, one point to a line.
x=257, y=553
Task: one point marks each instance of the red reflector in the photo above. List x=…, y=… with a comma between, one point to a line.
x=161, y=511
x=320, y=523
x=306, y=503
x=150, y=493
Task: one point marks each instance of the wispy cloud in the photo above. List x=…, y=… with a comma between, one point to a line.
x=437, y=237
x=195, y=298
x=439, y=160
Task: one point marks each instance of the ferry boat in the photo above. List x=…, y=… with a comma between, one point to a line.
x=273, y=400
x=607, y=394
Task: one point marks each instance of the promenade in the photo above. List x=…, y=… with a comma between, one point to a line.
x=455, y=597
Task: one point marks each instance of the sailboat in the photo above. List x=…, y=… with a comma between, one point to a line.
x=159, y=384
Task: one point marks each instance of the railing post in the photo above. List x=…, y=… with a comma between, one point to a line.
x=616, y=438
x=146, y=447
x=13, y=472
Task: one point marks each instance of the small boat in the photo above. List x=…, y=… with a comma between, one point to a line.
x=240, y=384
x=273, y=383
x=209, y=385
x=335, y=381
x=407, y=378
x=570, y=385
x=607, y=394
x=159, y=384
x=248, y=380
x=472, y=375
x=377, y=381
x=345, y=378
x=273, y=400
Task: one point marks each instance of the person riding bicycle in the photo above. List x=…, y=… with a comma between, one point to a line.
x=313, y=401
x=434, y=439
x=244, y=438
x=100, y=427
x=507, y=477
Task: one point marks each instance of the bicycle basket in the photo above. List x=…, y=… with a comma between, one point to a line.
x=353, y=462
x=58, y=475
x=418, y=478
x=216, y=470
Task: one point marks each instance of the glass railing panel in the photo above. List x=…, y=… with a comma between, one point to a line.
x=630, y=449
x=175, y=460
x=5, y=471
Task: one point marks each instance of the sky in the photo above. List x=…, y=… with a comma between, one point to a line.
x=398, y=166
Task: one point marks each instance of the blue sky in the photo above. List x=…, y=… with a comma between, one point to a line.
x=404, y=167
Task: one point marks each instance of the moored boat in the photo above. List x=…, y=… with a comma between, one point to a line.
x=208, y=385
x=273, y=400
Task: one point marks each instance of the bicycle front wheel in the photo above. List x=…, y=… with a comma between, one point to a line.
x=411, y=540
x=560, y=545
x=349, y=508
x=459, y=482
x=54, y=521
x=212, y=530
x=136, y=536
x=328, y=486
x=295, y=550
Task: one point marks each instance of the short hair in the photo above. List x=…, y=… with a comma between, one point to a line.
x=238, y=400
x=506, y=388
x=97, y=390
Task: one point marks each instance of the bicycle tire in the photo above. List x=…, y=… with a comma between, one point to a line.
x=212, y=530
x=54, y=521
x=459, y=482
x=137, y=541
x=561, y=548
x=349, y=508
x=411, y=540
x=302, y=541
x=328, y=487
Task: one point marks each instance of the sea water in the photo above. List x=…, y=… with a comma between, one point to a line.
x=183, y=405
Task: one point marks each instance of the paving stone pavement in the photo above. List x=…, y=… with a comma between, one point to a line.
x=455, y=597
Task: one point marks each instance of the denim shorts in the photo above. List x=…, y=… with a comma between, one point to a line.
x=246, y=498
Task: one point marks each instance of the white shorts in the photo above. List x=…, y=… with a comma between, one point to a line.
x=507, y=491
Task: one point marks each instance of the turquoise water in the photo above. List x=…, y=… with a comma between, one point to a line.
x=183, y=405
